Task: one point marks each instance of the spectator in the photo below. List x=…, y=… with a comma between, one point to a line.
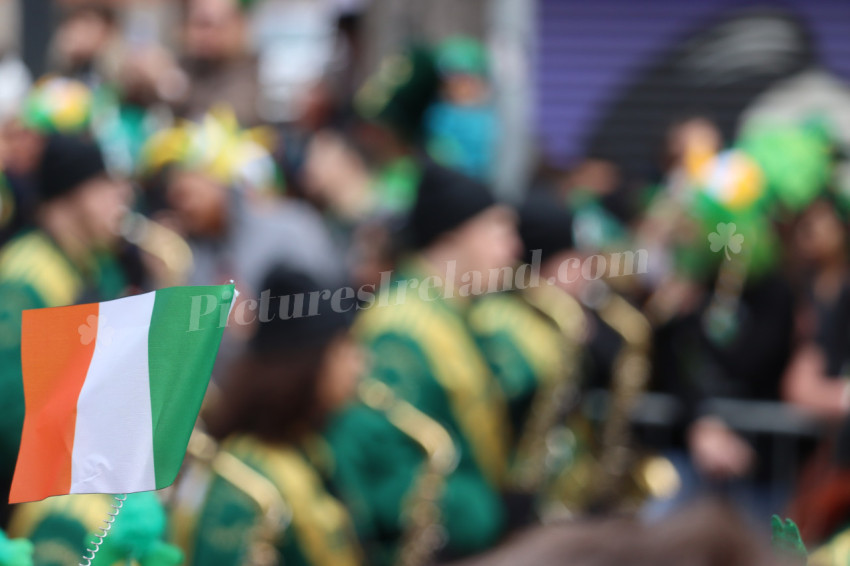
x=462, y=126
x=816, y=377
x=216, y=61
x=198, y=192
x=84, y=44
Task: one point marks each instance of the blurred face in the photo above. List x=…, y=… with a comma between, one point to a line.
x=371, y=250
x=692, y=138
x=213, y=30
x=820, y=235
x=596, y=175
x=342, y=367
x=82, y=37
x=466, y=90
x=488, y=241
x=23, y=148
x=101, y=204
x=199, y=203
x=151, y=74
x=379, y=143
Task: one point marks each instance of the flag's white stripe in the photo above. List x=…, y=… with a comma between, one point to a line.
x=113, y=446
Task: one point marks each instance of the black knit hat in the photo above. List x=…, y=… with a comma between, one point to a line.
x=545, y=224
x=66, y=163
x=445, y=200
x=297, y=319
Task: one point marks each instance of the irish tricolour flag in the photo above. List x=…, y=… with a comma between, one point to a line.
x=112, y=390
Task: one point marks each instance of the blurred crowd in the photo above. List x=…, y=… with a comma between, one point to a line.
x=558, y=379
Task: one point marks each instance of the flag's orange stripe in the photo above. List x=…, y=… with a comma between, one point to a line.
x=55, y=354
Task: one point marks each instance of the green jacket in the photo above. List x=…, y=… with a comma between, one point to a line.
x=522, y=347
x=533, y=341
x=377, y=467
x=258, y=496
x=35, y=273
x=422, y=349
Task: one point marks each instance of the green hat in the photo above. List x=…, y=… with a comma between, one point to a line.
x=796, y=161
x=400, y=93
x=58, y=105
x=462, y=55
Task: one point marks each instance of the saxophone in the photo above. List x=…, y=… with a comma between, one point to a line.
x=424, y=534
x=579, y=473
x=534, y=461
x=162, y=244
x=275, y=514
x=630, y=377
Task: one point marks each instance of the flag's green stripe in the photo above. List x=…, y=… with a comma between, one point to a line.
x=186, y=328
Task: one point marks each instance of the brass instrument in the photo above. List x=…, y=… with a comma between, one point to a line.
x=557, y=452
x=533, y=461
x=424, y=534
x=275, y=514
x=164, y=245
x=630, y=377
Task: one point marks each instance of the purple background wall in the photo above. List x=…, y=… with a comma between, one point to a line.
x=590, y=49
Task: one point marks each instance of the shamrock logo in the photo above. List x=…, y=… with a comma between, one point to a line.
x=726, y=239
x=88, y=331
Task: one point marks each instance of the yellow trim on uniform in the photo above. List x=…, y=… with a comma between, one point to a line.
x=536, y=338
x=457, y=366
x=315, y=513
x=32, y=259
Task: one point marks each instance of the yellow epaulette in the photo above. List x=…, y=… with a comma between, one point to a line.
x=315, y=514
x=458, y=367
x=536, y=337
x=33, y=260
x=207, y=460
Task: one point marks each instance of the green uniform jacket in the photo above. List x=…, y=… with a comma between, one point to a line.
x=523, y=348
x=376, y=470
x=422, y=349
x=35, y=273
x=533, y=345
x=219, y=513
